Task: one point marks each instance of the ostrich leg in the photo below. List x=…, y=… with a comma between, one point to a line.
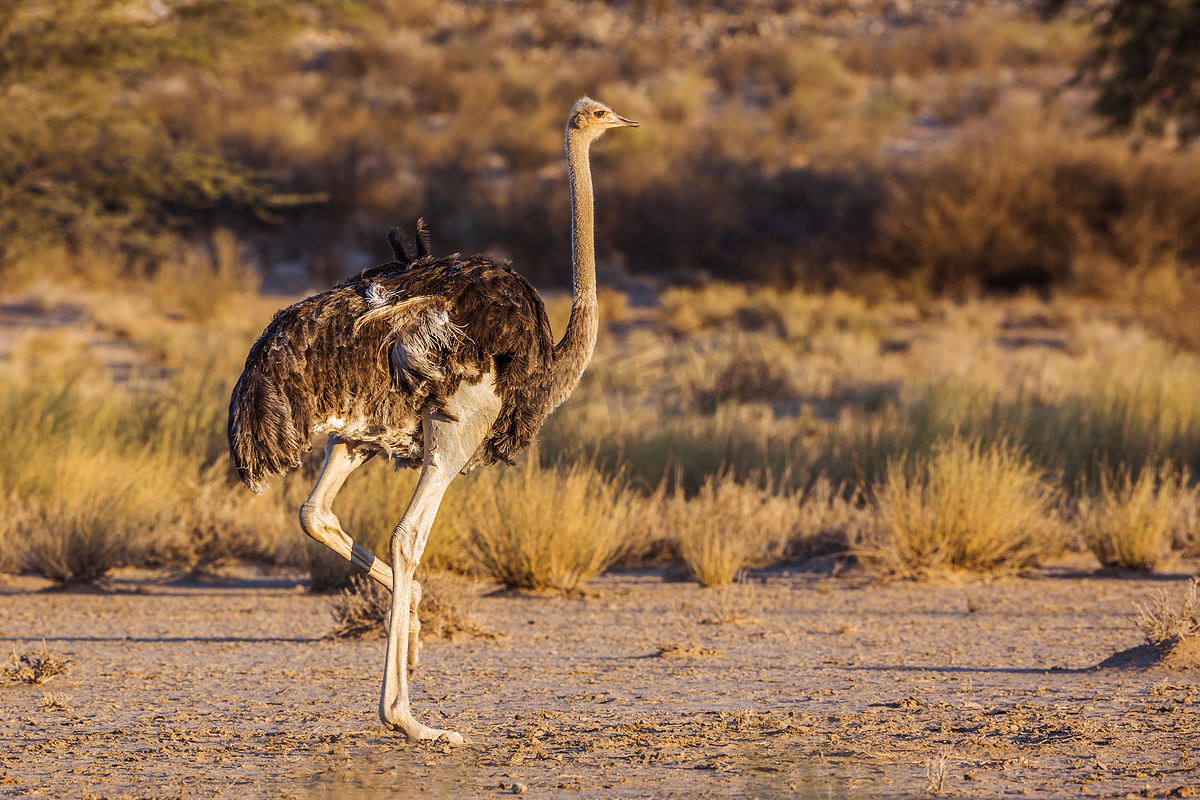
x=319, y=522
x=317, y=517
x=448, y=448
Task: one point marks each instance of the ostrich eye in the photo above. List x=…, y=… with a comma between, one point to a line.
x=597, y=114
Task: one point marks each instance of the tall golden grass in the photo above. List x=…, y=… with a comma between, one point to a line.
x=547, y=529
x=964, y=422
x=729, y=526
x=961, y=507
x=1130, y=522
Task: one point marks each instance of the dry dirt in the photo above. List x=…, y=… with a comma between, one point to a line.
x=823, y=687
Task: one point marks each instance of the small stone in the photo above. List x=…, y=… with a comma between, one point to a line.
x=519, y=788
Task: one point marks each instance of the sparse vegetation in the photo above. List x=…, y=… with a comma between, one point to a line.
x=35, y=668
x=447, y=608
x=360, y=609
x=842, y=400
x=1163, y=625
x=81, y=538
x=1131, y=523
x=547, y=528
x=962, y=507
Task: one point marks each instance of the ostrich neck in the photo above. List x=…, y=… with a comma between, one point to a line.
x=574, y=350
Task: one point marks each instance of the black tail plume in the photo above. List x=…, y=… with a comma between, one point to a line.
x=267, y=436
x=403, y=249
x=422, y=238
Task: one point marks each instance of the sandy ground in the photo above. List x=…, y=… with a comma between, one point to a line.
x=832, y=687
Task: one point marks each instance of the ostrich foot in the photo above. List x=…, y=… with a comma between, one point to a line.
x=416, y=732
x=398, y=718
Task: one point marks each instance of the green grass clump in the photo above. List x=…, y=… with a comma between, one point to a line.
x=962, y=507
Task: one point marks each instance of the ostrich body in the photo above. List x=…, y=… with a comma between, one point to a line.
x=439, y=363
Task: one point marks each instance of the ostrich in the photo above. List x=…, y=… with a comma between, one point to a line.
x=439, y=363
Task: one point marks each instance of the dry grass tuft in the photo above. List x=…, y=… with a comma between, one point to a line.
x=1161, y=624
x=35, y=668
x=729, y=526
x=447, y=610
x=963, y=507
x=1131, y=524
x=80, y=538
x=733, y=604
x=449, y=605
x=56, y=702
x=547, y=528
x=360, y=609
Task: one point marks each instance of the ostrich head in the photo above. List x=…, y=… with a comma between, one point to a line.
x=592, y=118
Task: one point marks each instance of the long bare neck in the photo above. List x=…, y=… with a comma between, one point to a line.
x=574, y=350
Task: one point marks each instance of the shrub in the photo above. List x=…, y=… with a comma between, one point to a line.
x=34, y=668
x=1161, y=624
x=962, y=507
x=447, y=607
x=729, y=526
x=547, y=528
x=79, y=539
x=1131, y=523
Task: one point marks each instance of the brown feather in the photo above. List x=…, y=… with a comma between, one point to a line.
x=367, y=358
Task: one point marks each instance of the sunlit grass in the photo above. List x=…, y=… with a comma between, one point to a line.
x=961, y=507
x=547, y=528
x=875, y=400
x=1130, y=522
x=729, y=526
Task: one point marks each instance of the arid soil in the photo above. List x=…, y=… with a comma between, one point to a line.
x=813, y=686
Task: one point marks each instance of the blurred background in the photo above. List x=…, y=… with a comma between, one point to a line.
x=887, y=147
x=851, y=238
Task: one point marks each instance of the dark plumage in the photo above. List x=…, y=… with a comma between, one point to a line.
x=367, y=358
x=404, y=250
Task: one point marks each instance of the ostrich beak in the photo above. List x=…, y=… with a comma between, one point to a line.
x=628, y=123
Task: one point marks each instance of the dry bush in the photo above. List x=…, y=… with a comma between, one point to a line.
x=547, y=528
x=1161, y=624
x=219, y=523
x=447, y=609
x=81, y=537
x=35, y=668
x=729, y=526
x=52, y=701
x=360, y=608
x=450, y=606
x=1027, y=202
x=1131, y=523
x=962, y=507
x=746, y=380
